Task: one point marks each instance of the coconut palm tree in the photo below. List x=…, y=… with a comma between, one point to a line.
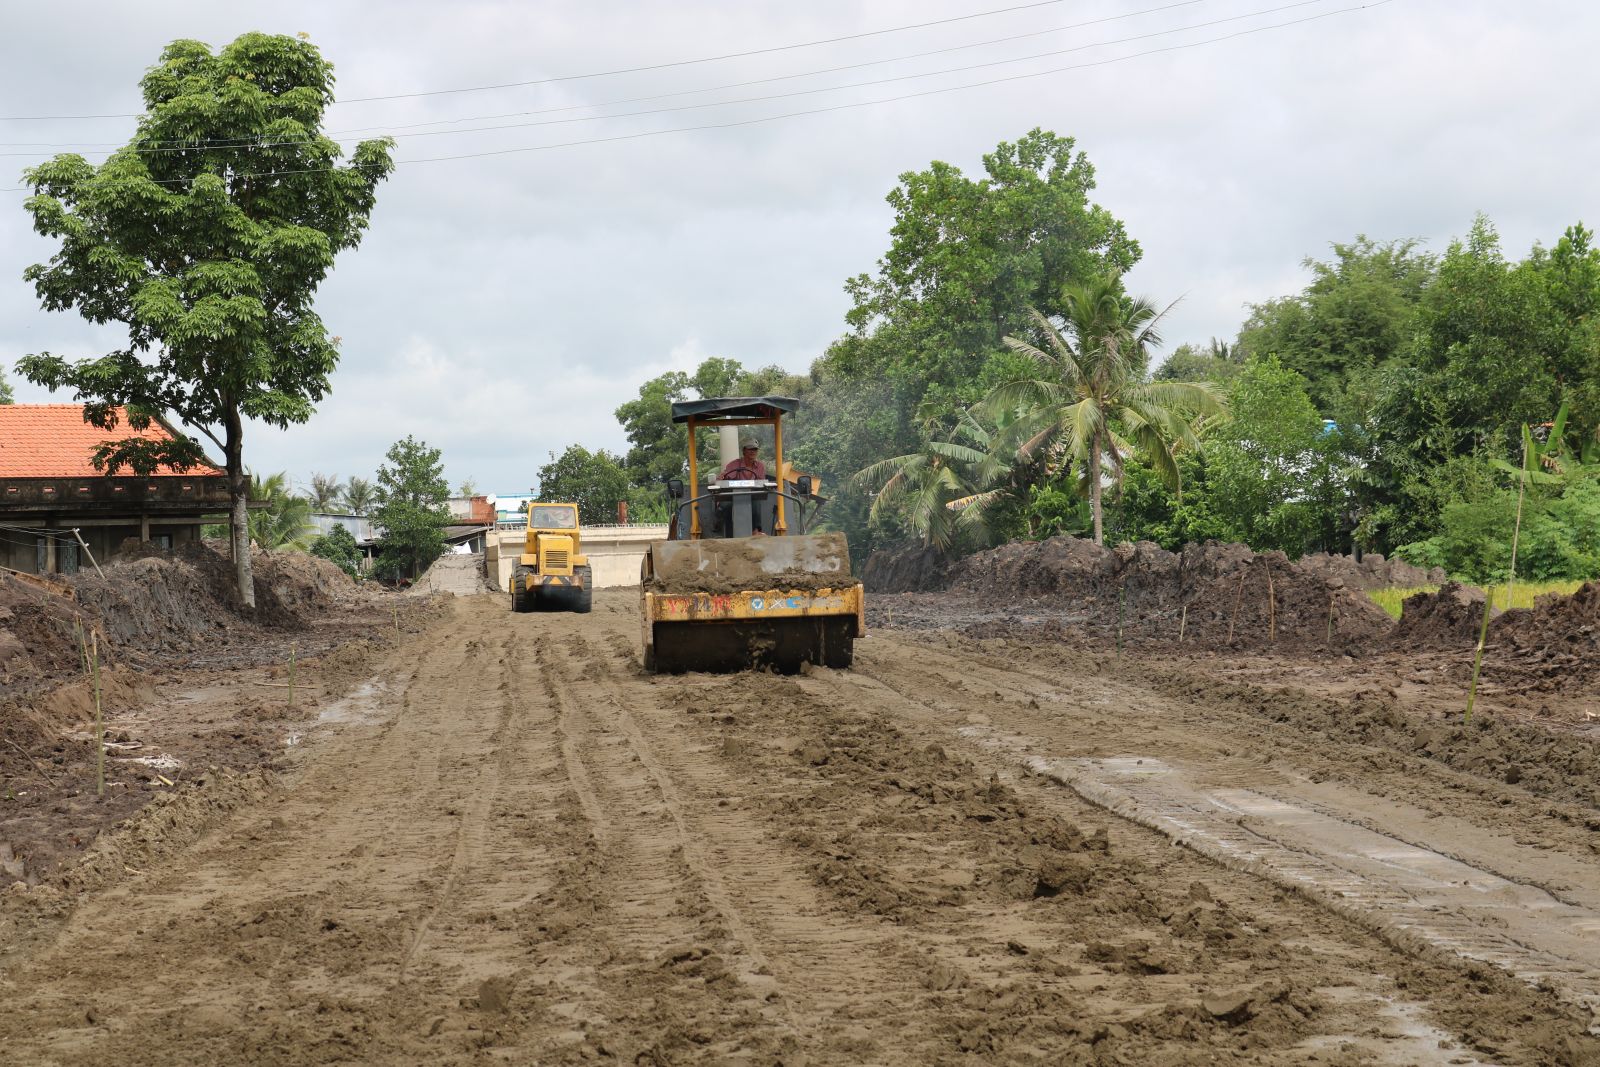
x=1090, y=403
x=286, y=520
x=358, y=496
x=945, y=488
x=326, y=492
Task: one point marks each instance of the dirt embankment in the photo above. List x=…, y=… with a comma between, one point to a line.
x=1207, y=595
x=161, y=625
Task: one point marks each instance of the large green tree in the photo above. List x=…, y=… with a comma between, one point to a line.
x=412, y=511
x=1088, y=398
x=1272, y=471
x=595, y=481
x=5, y=388
x=968, y=257
x=207, y=235
x=1357, y=314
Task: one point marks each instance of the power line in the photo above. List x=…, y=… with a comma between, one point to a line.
x=796, y=93
x=822, y=110
x=625, y=70
x=234, y=141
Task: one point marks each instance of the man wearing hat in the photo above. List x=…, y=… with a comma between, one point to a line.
x=746, y=468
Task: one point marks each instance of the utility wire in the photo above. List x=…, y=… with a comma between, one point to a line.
x=788, y=95
x=236, y=141
x=625, y=70
x=820, y=110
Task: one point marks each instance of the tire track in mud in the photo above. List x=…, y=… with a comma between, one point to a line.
x=1401, y=894
x=974, y=967
x=309, y=911
x=666, y=915
x=819, y=966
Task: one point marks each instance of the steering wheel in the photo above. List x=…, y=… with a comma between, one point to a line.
x=732, y=473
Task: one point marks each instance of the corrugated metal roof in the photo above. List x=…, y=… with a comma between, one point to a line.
x=53, y=441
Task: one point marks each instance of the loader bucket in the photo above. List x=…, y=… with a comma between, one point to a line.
x=735, y=603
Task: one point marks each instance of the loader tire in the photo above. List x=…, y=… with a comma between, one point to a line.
x=521, y=598
x=586, y=592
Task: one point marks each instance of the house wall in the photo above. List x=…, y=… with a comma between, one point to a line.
x=20, y=549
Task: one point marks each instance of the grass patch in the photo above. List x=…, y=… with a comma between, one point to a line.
x=1523, y=594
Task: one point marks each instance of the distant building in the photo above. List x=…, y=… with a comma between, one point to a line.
x=54, y=504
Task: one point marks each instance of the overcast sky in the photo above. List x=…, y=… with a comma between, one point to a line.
x=501, y=307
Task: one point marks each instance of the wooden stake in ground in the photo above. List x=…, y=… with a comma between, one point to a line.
x=83, y=645
x=1122, y=591
x=1183, y=622
x=1330, y=620
x=1272, y=607
x=99, y=720
x=292, y=647
x=1237, y=599
x=1488, y=594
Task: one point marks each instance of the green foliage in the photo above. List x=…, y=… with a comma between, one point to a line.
x=285, y=521
x=326, y=492
x=411, y=496
x=1272, y=471
x=358, y=497
x=595, y=481
x=1560, y=538
x=943, y=491
x=1218, y=363
x=338, y=546
x=210, y=255
x=1089, y=402
x=5, y=388
x=967, y=258
x=659, y=447
x=1357, y=313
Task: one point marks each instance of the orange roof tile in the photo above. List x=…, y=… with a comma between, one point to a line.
x=53, y=441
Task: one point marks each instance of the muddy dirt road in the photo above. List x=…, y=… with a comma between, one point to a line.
x=511, y=845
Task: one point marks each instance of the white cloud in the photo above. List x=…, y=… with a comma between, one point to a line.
x=501, y=308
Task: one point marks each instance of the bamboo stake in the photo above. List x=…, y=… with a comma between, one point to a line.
x=83, y=645
x=1488, y=594
x=1183, y=622
x=99, y=720
x=1122, y=592
x=292, y=646
x=1272, y=608
x=1330, y=621
x=1237, y=599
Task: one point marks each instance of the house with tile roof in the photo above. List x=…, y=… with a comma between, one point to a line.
x=57, y=511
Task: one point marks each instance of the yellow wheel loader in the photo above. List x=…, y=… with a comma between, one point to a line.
x=739, y=582
x=552, y=574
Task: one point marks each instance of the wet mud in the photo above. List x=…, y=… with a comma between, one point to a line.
x=508, y=842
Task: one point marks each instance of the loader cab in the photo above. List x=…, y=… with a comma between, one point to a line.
x=709, y=506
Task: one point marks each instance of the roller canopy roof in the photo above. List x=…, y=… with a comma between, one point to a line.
x=734, y=407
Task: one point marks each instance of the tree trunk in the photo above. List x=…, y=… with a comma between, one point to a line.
x=239, y=515
x=1094, y=489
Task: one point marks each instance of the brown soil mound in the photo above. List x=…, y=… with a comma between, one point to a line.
x=148, y=603
x=1209, y=594
x=913, y=569
x=1449, y=618
x=1372, y=571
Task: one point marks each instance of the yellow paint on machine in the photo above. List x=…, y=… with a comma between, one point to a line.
x=751, y=604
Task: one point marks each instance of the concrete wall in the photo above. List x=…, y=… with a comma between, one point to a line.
x=615, y=553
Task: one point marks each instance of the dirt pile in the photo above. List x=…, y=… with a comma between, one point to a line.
x=1209, y=594
x=152, y=602
x=905, y=570
x=1449, y=618
x=1373, y=571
